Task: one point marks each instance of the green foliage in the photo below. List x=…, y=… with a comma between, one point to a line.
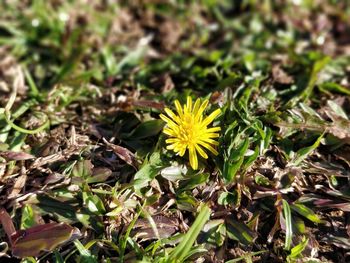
x=183, y=249
x=81, y=142
x=288, y=224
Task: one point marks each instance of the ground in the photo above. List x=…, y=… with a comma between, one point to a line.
x=85, y=171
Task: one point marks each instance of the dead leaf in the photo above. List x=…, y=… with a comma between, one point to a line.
x=342, y=242
x=123, y=153
x=32, y=241
x=148, y=104
x=7, y=223
x=16, y=156
x=280, y=76
x=165, y=226
x=18, y=186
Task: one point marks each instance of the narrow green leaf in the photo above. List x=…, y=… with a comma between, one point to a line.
x=58, y=257
x=334, y=87
x=306, y=212
x=316, y=69
x=182, y=249
x=85, y=254
x=239, y=231
x=288, y=218
x=298, y=249
x=304, y=152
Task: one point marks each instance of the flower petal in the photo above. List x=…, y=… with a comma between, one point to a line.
x=167, y=120
x=182, y=151
x=196, y=107
x=172, y=140
x=201, y=151
x=172, y=115
x=169, y=132
x=209, y=135
x=189, y=104
x=211, y=117
x=201, y=110
x=209, y=147
x=193, y=158
x=213, y=129
x=210, y=141
x=179, y=108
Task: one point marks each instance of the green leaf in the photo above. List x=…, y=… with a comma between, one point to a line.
x=148, y=172
x=227, y=198
x=239, y=231
x=298, y=249
x=181, y=251
x=261, y=180
x=231, y=167
x=316, y=69
x=194, y=181
x=174, y=173
x=124, y=239
x=82, y=169
x=334, y=87
x=186, y=201
x=93, y=203
x=85, y=254
x=132, y=58
x=251, y=158
x=306, y=212
x=304, y=152
x=146, y=129
x=298, y=225
x=247, y=257
x=99, y=175
x=48, y=205
x=288, y=218
x=58, y=257
x=28, y=217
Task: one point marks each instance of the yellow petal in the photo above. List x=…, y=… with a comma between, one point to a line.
x=179, y=108
x=167, y=120
x=213, y=129
x=182, y=151
x=170, y=147
x=193, y=158
x=210, y=141
x=210, y=135
x=196, y=107
x=169, y=132
x=209, y=147
x=172, y=115
x=189, y=104
x=201, y=109
x=172, y=140
x=187, y=129
x=201, y=151
x=211, y=117
x=172, y=125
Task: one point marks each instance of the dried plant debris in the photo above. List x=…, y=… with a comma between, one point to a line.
x=87, y=175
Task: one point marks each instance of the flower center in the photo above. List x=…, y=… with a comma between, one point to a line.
x=189, y=130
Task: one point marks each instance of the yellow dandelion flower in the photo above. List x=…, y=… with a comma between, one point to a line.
x=188, y=130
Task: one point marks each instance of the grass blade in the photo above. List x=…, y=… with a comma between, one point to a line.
x=182, y=249
x=288, y=217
